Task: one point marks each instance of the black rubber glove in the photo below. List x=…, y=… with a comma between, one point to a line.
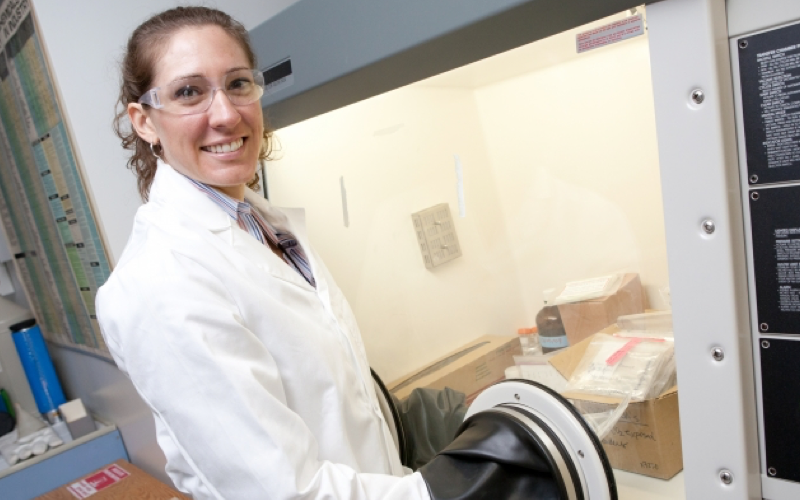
x=493, y=457
x=430, y=420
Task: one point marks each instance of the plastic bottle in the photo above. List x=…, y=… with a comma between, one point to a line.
x=552, y=335
x=529, y=340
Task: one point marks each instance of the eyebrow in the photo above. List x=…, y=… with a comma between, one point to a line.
x=198, y=75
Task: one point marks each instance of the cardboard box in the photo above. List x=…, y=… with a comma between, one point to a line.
x=470, y=369
x=647, y=440
x=587, y=317
x=118, y=481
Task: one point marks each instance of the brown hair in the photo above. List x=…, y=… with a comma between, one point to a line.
x=137, y=76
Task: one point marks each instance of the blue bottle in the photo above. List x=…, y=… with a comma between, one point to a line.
x=38, y=367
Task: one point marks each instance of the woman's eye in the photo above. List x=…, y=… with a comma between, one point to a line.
x=240, y=85
x=187, y=93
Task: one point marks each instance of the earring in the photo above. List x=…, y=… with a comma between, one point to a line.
x=153, y=147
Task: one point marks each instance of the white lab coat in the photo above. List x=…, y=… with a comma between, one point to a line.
x=258, y=383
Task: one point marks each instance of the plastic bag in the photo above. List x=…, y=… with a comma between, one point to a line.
x=601, y=417
x=620, y=366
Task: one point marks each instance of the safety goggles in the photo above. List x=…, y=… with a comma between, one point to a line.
x=194, y=94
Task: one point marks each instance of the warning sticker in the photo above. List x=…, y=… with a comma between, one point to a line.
x=610, y=33
x=97, y=481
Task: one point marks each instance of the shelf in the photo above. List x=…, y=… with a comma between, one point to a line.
x=59, y=466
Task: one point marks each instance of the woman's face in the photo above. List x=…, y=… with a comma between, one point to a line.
x=192, y=143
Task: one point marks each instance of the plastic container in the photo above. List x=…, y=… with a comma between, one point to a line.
x=529, y=340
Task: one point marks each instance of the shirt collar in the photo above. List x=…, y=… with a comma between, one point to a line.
x=230, y=206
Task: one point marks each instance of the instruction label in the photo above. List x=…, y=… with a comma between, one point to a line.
x=610, y=33
x=787, y=256
x=769, y=67
x=776, y=258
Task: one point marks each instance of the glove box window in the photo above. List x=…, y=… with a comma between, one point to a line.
x=547, y=159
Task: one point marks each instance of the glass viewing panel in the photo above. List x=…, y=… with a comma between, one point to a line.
x=547, y=160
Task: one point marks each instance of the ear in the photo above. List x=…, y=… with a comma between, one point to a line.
x=142, y=123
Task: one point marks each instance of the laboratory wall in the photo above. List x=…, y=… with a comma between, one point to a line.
x=560, y=183
x=84, y=42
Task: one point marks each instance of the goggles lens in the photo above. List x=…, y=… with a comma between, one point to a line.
x=194, y=94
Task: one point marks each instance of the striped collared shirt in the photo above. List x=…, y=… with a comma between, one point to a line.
x=254, y=223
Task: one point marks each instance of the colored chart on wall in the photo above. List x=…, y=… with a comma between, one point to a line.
x=43, y=204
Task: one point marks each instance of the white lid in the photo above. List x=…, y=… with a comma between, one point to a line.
x=10, y=314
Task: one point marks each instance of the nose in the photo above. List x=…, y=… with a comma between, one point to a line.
x=222, y=113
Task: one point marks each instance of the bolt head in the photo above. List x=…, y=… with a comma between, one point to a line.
x=725, y=476
x=698, y=96
x=709, y=227
x=718, y=354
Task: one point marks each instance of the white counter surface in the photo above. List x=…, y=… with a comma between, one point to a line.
x=632, y=486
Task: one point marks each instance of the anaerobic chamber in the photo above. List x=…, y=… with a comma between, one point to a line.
x=669, y=153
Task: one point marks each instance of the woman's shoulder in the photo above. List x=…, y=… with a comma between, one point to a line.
x=161, y=261
x=155, y=256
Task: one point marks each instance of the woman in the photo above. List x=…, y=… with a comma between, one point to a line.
x=229, y=326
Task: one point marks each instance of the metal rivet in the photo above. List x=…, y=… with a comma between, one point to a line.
x=742, y=44
x=516, y=396
x=764, y=327
x=708, y=226
x=754, y=196
x=772, y=471
x=698, y=96
x=753, y=179
x=580, y=454
x=765, y=344
x=718, y=354
x=726, y=476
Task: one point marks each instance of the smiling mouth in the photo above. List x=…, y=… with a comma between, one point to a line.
x=224, y=148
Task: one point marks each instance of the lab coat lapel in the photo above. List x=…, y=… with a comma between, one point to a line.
x=263, y=257
x=171, y=189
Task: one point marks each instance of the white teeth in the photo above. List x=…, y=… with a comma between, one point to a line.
x=225, y=148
